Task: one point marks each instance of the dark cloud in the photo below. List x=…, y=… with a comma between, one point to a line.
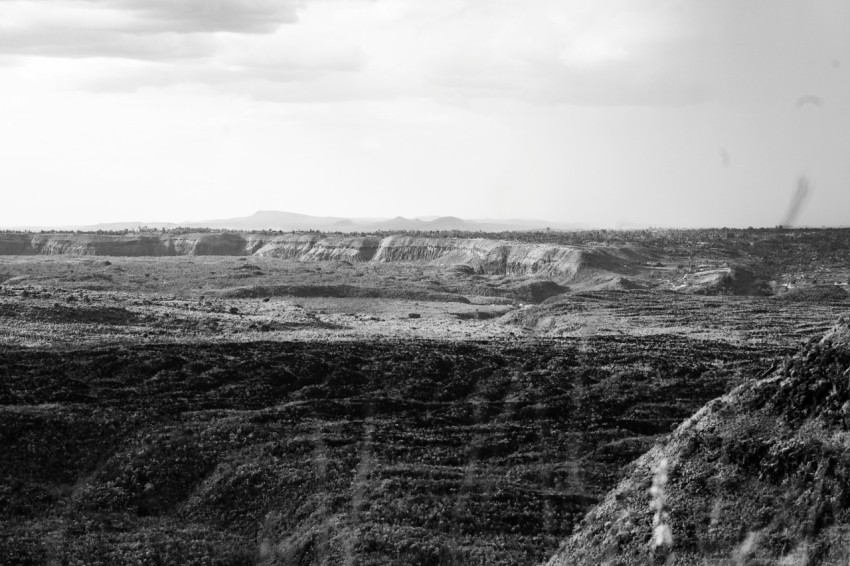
x=156, y=30
x=193, y=16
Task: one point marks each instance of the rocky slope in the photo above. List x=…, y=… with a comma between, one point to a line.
x=759, y=476
x=374, y=453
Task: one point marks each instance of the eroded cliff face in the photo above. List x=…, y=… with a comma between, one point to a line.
x=16, y=244
x=95, y=244
x=208, y=244
x=131, y=245
x=485, y=256
x=482, y=255
x=313, y=247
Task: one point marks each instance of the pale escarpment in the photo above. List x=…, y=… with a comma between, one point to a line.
x=313, y=247
x=210, y=244
x=96, y=244
x=131, y=245
x=482, y=255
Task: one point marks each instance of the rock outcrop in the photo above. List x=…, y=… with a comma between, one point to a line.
x=759, y=476
x=723, y=281
x=311, y=247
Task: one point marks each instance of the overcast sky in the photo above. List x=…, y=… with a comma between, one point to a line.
x=667, y=113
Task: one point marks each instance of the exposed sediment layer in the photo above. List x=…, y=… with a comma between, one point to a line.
x=483, y=255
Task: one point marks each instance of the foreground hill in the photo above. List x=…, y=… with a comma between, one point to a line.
x=759, y=476
x=375, y=452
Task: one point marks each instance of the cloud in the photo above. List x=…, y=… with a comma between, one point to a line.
x=547, y=51
x=156, y=30
x=769, y=54
x=609, y=52
x=69, y=43
x=193, y=16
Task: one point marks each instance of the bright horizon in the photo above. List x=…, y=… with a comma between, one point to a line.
x=371, y=224
x=661, y=113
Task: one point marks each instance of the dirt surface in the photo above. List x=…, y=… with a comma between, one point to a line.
x=68, y=300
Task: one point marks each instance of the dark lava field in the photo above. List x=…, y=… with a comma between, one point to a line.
x=304, y=453
x=451, y=402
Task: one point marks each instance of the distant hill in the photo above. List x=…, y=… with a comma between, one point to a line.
x=114, y=226
x=273, y=220
x=399, y=223
x=280, y=220
x=448, y=223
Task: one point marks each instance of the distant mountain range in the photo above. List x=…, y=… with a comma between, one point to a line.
x=277, y=220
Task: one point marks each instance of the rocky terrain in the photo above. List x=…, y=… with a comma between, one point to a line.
x=422, y=399
x=758, y=476
x=381, y=452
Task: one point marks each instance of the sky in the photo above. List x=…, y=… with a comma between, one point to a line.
x=611, y=113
